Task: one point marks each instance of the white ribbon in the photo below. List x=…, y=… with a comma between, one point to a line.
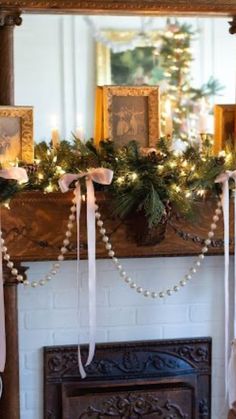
x=102, y=176
x=19, y=174
x=230, y=364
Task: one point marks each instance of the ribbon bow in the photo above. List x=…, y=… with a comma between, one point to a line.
x=102, y=176
x=19, y=174
x=230, y=372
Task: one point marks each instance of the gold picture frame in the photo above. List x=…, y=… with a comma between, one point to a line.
x=131, y=113
x=225, y=127
x=16, y=134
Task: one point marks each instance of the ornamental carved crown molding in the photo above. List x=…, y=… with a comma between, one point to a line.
x=220, y=7
x=10, y=18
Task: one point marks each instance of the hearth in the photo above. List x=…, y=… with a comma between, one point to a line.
x=165, y=379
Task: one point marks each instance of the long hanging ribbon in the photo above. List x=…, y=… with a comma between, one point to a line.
x=230, y=363
x=19, y=174
x=102, y=176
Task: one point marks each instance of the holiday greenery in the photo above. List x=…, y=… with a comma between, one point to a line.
x=166, y=60
x=155, y=182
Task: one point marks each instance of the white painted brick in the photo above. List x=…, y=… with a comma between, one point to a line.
x=31, y=414
x=196, y=291
x=110, y=278
x=31, y=381
x=134, y=333
x=70, y=298
x=34, y=300
x=33, y=339
x=34, y=360
x=162, y=314
x=51, y=319
x=21, y=318
x=218, y=386
x=129, y=316
x=33, y=401
x=205, y=313
x=71, y=337
x=218, y=408
x=122, y=295
x=22, y=400
x=218, y=345
x=111, y=316
x=191, y=330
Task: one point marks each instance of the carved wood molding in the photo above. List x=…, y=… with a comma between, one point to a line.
x=221, y=7
x=34, y=230
x=10, y=18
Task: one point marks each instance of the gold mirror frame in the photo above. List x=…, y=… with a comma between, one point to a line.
x=155, y=7
x=103, y=52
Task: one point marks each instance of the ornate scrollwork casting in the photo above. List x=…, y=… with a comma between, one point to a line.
x=135, y=406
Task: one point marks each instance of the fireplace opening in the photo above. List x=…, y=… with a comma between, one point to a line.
x=161, y=379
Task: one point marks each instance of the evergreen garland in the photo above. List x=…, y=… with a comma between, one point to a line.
x=155, y=182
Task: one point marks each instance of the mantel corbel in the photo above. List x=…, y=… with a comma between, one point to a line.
x=232, y=24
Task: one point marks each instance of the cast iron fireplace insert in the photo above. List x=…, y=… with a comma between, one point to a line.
x=158, y=379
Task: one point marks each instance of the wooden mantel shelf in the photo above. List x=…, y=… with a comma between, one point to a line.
x=34, y=230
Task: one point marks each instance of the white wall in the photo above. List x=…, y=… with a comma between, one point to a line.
x=55, y=72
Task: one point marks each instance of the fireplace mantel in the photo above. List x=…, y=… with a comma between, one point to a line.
x=34, y=229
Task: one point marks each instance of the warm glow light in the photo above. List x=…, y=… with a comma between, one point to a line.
x=134, y=176
x=176, y=188
x=59, y=170
x=188, y=194
x=79, y=132
x=222, y=153
x=120, y=180
x=54, y=122
x=201, y=192
x=49, y=188
x=168, y=119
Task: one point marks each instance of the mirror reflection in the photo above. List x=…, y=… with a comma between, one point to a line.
x=58, y=69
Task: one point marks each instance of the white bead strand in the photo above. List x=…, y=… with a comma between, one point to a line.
x=176, y=287
x=111, y=253
x=55, y=266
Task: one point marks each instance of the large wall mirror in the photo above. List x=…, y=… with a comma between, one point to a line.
x=57, y=68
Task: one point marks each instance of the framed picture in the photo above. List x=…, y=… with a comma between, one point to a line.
x=16, y=134
x=131, y=113
x=225, y=127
